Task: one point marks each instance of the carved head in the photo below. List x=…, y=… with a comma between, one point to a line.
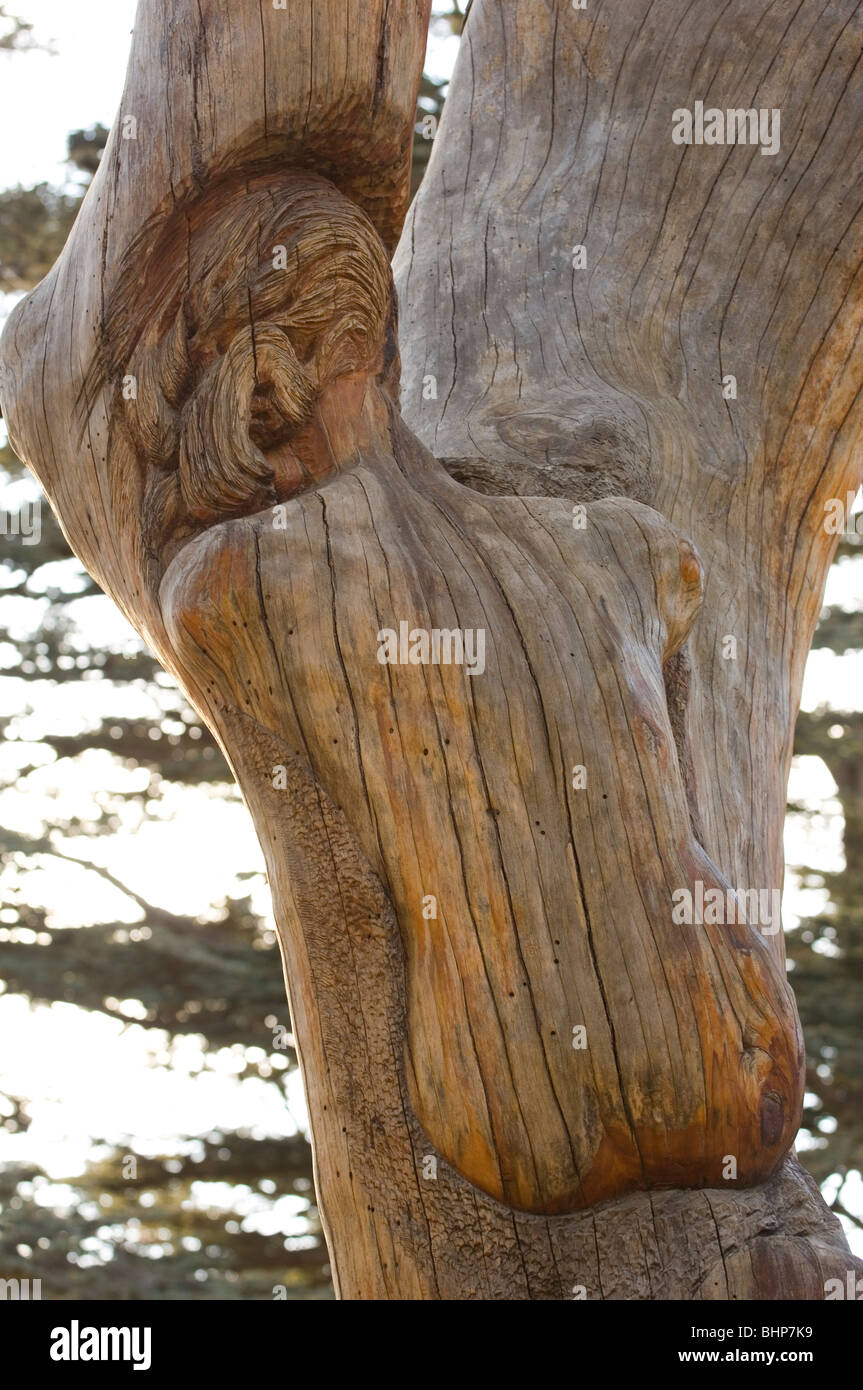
x=254, y=307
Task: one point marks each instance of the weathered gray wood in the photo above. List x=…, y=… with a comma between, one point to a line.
x=638, y=274
x=207, y=384
x=701, y=261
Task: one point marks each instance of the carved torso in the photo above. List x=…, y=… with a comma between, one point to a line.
x=460, y=789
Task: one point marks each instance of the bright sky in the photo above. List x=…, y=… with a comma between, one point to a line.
x=42, y=98
x=92, y=1075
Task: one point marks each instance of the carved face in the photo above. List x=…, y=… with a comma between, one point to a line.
x=291, y=520
x=251, y=317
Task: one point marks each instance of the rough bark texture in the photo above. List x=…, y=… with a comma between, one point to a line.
x=525, y=1078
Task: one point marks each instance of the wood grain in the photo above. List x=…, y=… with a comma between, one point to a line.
x=525, y=1078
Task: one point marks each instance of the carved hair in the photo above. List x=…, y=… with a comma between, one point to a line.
x=251, y=303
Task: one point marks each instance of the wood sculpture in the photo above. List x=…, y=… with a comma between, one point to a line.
x=520, y=799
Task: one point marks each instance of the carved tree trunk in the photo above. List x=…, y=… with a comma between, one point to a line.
x=527, y=1077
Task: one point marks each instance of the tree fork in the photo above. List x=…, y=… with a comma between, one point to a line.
x=505, y=681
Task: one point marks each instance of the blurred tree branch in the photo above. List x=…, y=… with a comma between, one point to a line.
x=16, y=35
